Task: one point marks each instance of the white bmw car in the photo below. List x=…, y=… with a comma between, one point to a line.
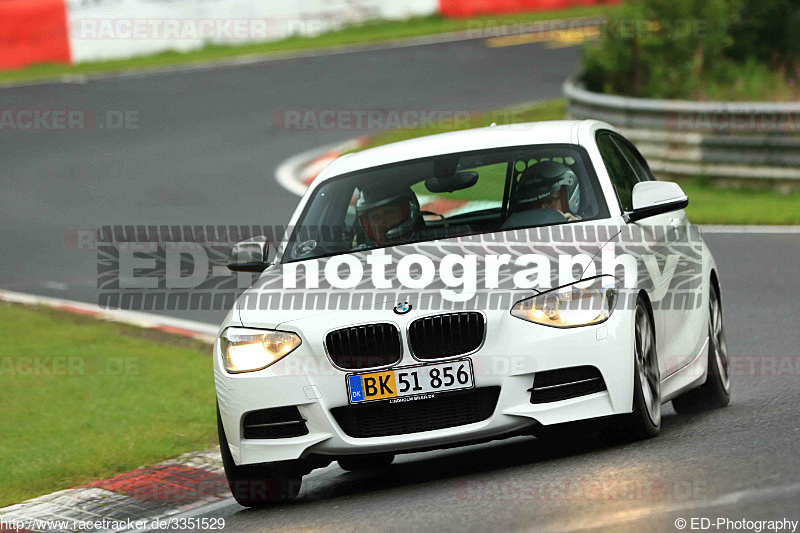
x=460, y=288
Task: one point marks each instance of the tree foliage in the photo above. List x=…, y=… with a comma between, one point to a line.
x=669, y=48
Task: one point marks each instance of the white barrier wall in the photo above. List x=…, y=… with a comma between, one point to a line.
x=116, y=29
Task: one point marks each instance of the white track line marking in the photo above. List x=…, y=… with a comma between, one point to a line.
x=288, y=174
x=205, y=331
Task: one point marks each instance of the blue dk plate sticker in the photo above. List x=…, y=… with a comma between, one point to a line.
x=356, y=392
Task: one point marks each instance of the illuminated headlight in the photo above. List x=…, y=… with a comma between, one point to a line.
x=248, y=350
x=568, y=306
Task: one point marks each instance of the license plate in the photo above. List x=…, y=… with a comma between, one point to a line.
x=408, y=381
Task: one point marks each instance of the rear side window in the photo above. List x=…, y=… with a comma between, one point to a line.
x=621, y=173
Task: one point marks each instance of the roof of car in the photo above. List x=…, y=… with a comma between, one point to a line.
x=551, y=132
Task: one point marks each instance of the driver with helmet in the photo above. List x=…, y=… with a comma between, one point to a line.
x=548, y=185
x=389, y=216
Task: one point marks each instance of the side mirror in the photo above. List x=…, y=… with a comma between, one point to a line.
x=250, y=256
x=652, y=198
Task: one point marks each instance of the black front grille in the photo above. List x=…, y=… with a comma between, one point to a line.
x=365, y=346
x=448, y=335
x=382, y=418
x=275, y=423
x=565, y=383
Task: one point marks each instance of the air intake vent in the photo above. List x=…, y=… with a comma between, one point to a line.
x=380, y=419
x=276, y=423
x=440, y=336
x=565, y=383
x=365, y=346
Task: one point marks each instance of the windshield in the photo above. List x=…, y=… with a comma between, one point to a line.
x=448, y=196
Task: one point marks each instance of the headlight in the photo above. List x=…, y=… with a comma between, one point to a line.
x=248, y=350
x=568, y=306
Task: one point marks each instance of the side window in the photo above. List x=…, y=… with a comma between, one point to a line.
x=621, y=173
x=636, y=160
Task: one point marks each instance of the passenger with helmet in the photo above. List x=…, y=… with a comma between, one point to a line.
x=548, y=185
x=389, y=216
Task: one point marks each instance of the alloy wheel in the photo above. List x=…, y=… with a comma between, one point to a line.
x=716, y=337
x=647, y=366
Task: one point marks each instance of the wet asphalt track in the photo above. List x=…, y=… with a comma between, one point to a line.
x=204, y=152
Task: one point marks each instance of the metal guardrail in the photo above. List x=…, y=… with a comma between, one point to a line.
x=738, y=140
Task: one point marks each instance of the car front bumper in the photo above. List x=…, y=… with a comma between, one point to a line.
x=513, y=352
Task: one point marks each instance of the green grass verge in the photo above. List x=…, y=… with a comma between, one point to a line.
x=118, y=397
x=708, y=204
x=371, y=32
x=715, y=205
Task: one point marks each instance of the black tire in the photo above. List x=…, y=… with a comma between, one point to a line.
x=365, y=462
x=258, y=485
x=716, y=391
x=644, y=422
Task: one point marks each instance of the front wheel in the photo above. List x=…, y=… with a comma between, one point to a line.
x=258, y=485
x=716, y=391
x=645, y=420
